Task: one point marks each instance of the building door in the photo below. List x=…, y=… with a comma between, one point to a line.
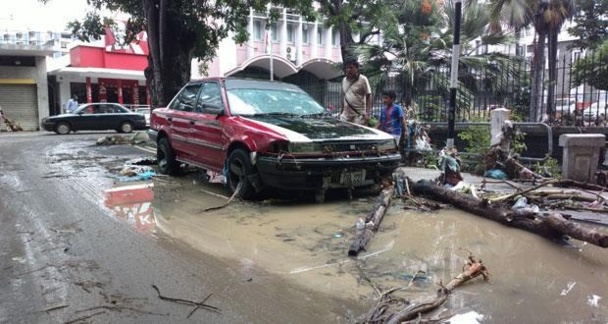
x=20, y=104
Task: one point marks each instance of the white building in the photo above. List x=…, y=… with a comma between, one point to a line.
x=291, y=44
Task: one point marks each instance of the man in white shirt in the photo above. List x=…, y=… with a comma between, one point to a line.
x=71, y=105
x=356, y=94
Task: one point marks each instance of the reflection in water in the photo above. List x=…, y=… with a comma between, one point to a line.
x=532, y=280
x=133, y=204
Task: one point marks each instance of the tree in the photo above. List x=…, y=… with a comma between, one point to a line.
x=547, y=17
x=356, y=17
x=419, y=50
x=593, y=69
x=180, y=30
x=590, y=24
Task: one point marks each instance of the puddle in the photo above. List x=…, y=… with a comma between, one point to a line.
x=133, y=204
x=532, y=280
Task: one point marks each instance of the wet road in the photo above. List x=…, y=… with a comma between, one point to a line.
x=66, y=255
x=80, y=239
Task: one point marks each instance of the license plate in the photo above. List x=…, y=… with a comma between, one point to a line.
x=352, y=178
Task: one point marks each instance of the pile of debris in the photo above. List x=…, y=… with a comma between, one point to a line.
x=10, y=124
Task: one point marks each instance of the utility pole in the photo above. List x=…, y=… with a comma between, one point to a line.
x=454, y=74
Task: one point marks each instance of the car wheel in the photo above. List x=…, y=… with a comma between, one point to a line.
x=126, y=127
x=239, y=172
x=63, y=128
x=166, y=157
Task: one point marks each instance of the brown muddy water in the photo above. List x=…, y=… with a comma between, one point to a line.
x=532, y=280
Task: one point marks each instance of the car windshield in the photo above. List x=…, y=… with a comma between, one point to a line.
x=251, y=101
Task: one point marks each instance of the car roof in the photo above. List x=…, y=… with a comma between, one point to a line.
x=234, y=83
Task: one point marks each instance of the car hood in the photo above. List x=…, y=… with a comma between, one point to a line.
x=61, y=116
x=320, y=128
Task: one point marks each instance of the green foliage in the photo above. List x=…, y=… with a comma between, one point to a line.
x=593, y=69
x=477, y=140
x=419, y=50
x=549, y=167
x=590, y=23
x=91, y=28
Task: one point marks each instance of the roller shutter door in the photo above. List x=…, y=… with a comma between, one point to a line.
x=20, y=104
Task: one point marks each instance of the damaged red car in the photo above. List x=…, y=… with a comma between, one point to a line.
x=265, y=134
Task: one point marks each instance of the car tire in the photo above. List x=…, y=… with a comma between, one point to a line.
x=166, y=157
x=239, y=170
x=125, y=127
x=63, y=128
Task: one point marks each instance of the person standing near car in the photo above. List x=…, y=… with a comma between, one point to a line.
x=71, y=105
x=356, y=94
x=392, y=118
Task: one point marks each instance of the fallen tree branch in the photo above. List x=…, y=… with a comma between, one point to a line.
x=472, y=269
x=551, y=227
x=80, y=319
x=372, y=222
x=583, y=185
x=188, y=302
x=236, y=193
x=517, y=193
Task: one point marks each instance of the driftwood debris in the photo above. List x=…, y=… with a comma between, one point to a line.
x=9, y=123
x=554, y=226
x=372, y=222
x=474, y=268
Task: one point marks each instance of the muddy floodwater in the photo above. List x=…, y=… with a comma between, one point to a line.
x=532, y=280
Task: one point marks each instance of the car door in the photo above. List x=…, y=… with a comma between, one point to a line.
x=180, y=117
x=88, y=118
x=207, y=129
x=107, y=116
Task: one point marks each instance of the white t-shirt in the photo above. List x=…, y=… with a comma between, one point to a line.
x=354, y=96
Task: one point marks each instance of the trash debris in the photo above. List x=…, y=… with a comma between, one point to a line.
x=143, y=161
x=113, y=140
x=496, y=174
x=214, y=177
x=136, y=138
x=133, y=170
x=521, y=206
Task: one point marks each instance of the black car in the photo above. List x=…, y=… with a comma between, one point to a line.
x=96, y=116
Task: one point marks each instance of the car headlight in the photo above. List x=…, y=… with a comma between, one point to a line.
x=387, y=145
x=303, y=147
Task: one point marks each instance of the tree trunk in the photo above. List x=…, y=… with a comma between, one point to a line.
x=552, y=72
x=538, y=69
x=372, y=222
x=553, y=227
x=170, y=57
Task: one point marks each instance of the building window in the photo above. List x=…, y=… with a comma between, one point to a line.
x=320, y=36
x=305, y=34
x=257, y=30
x=334, y=39
x=275, y=32
x=290, y=33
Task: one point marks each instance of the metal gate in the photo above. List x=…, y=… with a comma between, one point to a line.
x=19, y=102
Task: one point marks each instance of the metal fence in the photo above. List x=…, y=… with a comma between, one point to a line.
x=571, y=104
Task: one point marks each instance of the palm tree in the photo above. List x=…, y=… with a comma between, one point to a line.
x=547, y=17
x=419, y=50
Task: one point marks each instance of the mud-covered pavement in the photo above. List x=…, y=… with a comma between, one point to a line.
x=280, y=260
x=66, y=258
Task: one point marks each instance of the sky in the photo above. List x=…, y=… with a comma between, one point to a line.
x=35, y=16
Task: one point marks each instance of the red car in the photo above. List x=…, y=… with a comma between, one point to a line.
x=267, y=135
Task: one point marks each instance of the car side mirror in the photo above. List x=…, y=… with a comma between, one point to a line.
x=213, y=109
